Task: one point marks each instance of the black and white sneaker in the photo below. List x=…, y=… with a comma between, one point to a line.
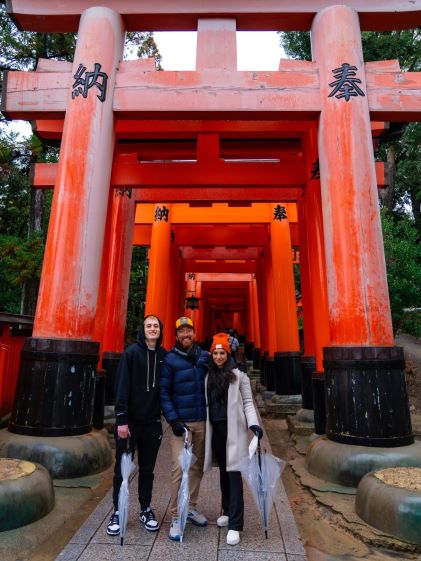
x=147, y=517
x=113, y=528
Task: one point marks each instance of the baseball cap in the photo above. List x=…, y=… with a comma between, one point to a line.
x=184, y=322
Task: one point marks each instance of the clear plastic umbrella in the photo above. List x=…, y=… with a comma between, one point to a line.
x=261, y=472
x=186, y=459
x=127, y=467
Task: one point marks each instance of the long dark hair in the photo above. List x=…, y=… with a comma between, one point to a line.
x=220, y=378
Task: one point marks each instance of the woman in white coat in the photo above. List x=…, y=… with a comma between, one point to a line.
x=230, y=412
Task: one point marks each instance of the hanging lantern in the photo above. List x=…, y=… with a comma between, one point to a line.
x=192, y=303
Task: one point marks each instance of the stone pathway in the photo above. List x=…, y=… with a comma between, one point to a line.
x=91, y=542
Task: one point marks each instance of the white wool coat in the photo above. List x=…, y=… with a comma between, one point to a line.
x=241, y=415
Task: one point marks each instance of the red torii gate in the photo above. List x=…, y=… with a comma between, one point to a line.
x=101, y=94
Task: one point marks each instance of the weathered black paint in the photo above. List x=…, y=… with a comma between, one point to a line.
x=308, y=366
x=55, y=389
x=270, y=374
x=287, y=373
x=110, y=363
x=319, y=402
x=366, y=396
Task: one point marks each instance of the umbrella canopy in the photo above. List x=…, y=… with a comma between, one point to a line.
x=127, y=468
x=186, y=459
x=261, y=472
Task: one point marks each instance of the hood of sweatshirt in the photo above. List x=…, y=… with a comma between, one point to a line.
x=151, y=355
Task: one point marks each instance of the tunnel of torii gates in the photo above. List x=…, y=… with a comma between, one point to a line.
x=233, y=156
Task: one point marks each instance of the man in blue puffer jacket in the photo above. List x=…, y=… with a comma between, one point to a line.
x=182, y=394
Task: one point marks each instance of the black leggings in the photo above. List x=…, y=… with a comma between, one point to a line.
x=146, y=437
x=230, y=481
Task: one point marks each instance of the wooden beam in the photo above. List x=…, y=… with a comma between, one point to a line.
x=219, y=213
x=137, y=94
x=208, y=235
x=166, y=15
x=43, y=176
x=188, y=129
x=219, y=267
x=221, y=252
x=211, y=94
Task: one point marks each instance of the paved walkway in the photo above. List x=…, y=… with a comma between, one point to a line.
x=91, y=542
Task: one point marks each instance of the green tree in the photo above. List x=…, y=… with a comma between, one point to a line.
x=403, y=262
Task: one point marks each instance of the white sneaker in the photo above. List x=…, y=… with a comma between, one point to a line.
x=175, y=530
x=222, y=521
x=233, y=537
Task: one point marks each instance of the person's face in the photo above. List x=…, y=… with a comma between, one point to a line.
x=185, y=336
x=219, y=357
x=151, y=329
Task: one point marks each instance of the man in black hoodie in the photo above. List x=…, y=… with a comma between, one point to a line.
x=138, y=416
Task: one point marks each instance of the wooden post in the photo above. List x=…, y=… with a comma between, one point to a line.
x=67, y=300
x=159, y=261
x=361, y=360
x=287, y=355
x=117, y=287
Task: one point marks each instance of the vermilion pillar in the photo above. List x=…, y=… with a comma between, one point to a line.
x=172, y=297
x=308, y=359
x=364, y=372
x=159, y=261
x=190, y=291
x=314, y=255
x=287, y=355
x=313, y=250
x=117, y=287
x=200, y=312
x=250, y=314
x=119, y=266
x=256, y=315
x=271, y=321
x=67, y=299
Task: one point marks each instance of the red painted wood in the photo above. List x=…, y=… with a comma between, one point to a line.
x=142, y=15
x=68, y=292
x=358, y=300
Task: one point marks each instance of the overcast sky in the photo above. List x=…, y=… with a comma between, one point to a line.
x=255, y=50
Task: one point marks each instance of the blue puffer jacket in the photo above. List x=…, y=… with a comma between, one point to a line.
x=182, y=385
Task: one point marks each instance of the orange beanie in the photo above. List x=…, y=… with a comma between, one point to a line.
x=220, y=341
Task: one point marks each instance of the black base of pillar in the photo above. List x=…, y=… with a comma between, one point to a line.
x=263, y=367
x=99, y=399
x=55, y=389
x=287, y=373
x=109, y=364
x=319, y=402
x=270, y=374
x=256, y=358
x=248, y=349
x=308, y=366
x=367, y=399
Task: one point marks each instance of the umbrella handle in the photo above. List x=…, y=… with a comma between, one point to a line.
x=186, y=436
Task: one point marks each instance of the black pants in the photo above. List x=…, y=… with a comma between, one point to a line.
x=230, y=481
x=146, y=437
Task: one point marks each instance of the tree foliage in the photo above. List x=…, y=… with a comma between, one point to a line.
x=403, y=262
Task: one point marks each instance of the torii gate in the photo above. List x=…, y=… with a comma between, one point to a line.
x=101, y=96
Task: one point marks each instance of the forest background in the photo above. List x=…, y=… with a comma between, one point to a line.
x=24, y=211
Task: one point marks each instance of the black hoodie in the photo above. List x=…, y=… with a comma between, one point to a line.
x=137, y=382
